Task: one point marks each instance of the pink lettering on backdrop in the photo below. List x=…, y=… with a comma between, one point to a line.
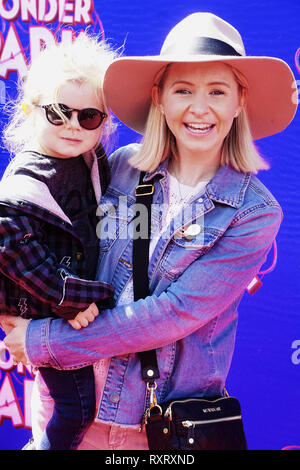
x=297, y=60
x=39, y=23
x=9, y=404
x=16, y=382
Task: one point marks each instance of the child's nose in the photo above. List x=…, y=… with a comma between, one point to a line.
x=73, y=121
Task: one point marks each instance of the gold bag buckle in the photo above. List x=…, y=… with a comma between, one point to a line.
x=149, y=192
x=153, y=400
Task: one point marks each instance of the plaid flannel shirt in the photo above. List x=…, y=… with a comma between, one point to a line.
x=41, y=257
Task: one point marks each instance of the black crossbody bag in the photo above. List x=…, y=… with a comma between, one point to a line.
x=208, y=423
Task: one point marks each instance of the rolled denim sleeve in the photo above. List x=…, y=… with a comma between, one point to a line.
x=209, y=286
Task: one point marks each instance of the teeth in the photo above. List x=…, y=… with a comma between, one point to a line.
x=200, y=127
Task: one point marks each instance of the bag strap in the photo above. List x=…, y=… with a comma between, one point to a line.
x=144, y=195
x=149, y=367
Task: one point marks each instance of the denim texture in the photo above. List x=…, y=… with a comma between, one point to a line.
x=196, y=285
x=73, y=392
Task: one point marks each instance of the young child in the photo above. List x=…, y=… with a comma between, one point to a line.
x=48, y=201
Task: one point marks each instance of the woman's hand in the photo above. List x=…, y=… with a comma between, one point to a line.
x=15, y=330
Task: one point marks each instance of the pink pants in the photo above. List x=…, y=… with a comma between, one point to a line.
x=113, y=437
x=99, y=436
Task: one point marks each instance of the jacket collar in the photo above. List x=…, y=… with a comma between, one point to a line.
x=21, y=190
x=228, y=186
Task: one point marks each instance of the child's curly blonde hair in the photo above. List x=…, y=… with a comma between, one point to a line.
x=83, y=61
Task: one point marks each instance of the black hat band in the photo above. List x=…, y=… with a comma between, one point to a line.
x=206, y=46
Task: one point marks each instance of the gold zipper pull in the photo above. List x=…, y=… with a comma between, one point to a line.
x=191, y=426
x=144, y=421
x=168, y=413
x=152, y=387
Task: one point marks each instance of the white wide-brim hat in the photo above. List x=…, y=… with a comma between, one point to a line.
x=204, y=37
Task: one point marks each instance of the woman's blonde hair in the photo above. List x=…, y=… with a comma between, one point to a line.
x=158, y=143
x=83, y=61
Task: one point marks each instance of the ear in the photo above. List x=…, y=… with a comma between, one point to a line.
x=155, y=94
x=242, y=102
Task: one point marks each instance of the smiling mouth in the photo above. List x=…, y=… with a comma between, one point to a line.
x=69, y=139
x=199, y=128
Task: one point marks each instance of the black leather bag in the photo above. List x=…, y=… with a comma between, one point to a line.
x=196, y=424
x=210, y=423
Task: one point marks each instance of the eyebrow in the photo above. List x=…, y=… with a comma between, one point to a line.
x=219, y=82
x=178, y=82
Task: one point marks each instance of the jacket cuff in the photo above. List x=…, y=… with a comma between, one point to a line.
x=80, y=293
x=37, y=344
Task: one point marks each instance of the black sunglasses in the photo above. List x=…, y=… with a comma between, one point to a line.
x=88, y=118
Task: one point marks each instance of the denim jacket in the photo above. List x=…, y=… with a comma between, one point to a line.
x=196, y=284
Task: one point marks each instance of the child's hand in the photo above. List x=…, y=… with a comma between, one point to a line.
x=82, y=319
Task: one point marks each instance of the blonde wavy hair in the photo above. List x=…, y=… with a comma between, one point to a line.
x=83, y=61
x=158, y=143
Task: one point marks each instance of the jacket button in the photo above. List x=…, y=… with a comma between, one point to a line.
x=192, y=231
x=79, y=256
x=114, y=398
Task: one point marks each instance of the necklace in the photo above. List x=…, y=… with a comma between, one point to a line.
x=179, y=190
x=185, y=192
x=182, y=198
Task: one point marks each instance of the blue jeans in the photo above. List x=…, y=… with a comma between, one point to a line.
x=73, y=392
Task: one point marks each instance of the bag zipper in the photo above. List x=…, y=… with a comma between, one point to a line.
x=190, y=425
x=168, y=412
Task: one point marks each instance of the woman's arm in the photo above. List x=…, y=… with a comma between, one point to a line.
x=207, y=287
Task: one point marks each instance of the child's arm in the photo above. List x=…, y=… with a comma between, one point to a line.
x=82, y=319
x=26, y=259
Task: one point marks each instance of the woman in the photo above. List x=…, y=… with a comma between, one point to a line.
x=198, y=104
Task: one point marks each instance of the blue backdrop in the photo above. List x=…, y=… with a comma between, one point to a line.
x=266, y=365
